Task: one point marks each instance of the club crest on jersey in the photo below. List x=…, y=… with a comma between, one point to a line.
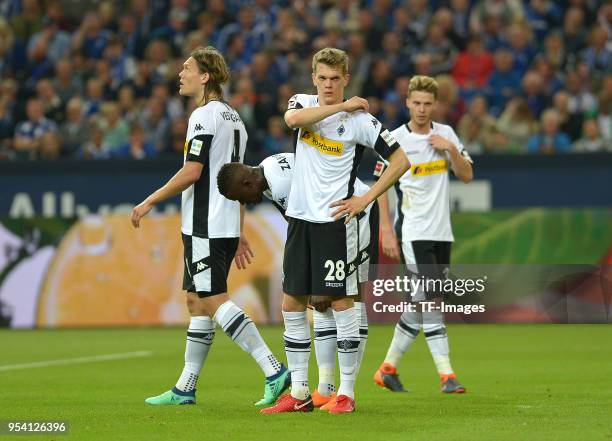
x=324, y=145
x=429, y=168
x=196, y=147
x=340, y=130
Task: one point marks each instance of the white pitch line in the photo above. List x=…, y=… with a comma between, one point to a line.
x=92, y=359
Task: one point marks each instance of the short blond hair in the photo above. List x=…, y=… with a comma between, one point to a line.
x=332, y=57
x=423, y=83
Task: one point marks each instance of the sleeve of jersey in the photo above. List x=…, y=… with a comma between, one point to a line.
x=198, y=148
x=460, y=147
x=379, y=169
x=375, y=135
x=296, y=102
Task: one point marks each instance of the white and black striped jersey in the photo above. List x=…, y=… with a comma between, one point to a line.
x=327, y=157
x=423, y=210
x=215, y=136
x=278, y=171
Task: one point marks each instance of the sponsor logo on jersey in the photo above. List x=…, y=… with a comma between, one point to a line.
x=334, y=284
x=429, y=168
x=201, y=266
x=388, y=137
x=324, y=145
x=198, y=127
x=375, y=122
x=378, y=170
x=196, y=147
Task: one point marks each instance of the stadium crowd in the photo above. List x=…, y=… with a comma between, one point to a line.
x=98, y=79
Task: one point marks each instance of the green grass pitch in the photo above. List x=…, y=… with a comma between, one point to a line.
x=524, y=382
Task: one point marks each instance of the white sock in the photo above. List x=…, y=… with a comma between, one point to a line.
x=240, y=328
x=348, y=345
x=200, y=335
x=406, y=332
x=363, y=332
x=297, y=347
x=325, y=343
x=437, y=340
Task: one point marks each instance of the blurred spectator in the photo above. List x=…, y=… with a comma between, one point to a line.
x=244, y=100
x=94, y=148
x=441, y=51
x=542, y=15
x=219, y=16
x=554, y=51
x=65, y=82
x=570, y=123
x=28, y=134
x=158, y=57
x=378, y=82
x=175, y=31
x=509, y=11
x=394, y=53
x=276, y=140
x=604, y=118
x=473, y=68
x=360, y=60
x=533, y=91
x=598, y=55
x=255, y=36
x=450, y=107
x=116, y=130
x=420, y=16
x=49, y=146
x=122, y=65
x=90, y=38
x=581, y=99
x=551, y=81
x=173, y=103
x=28, y=21
x=128, y=106
x=461, y=19
x=94, y=97
x=476, y=126
x=504, y=83
x=177, y=137
x=549, y=140
x=49, y=45
x=342, y=16
x=133, y=41
x=75, y=131
x=591, y=140
x=8, y=90
x=518, y=38
x=516, y=124
x=574, y=35
x=156, y=124
x=52, y=103
x=265, y=87
x=6, y=48
x=137, y=146
x=444, y=17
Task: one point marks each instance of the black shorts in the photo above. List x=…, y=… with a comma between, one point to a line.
x=321, y=258
x=207, y=264
x=427, y=258
x=368, y=242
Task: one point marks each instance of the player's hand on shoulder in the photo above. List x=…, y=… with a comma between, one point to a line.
x=139, y=212
x=348, y=207
x=356, y=103
x=440, y=143
x=244, y=253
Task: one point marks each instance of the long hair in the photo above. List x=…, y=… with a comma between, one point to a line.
x=211, y=61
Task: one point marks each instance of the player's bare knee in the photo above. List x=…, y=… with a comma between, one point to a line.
x=342, y=303
x=295, y=303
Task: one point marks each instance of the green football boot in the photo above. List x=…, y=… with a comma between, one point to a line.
x=275, y=386
x=173, y=397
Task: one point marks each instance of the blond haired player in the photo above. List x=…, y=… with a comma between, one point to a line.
x=211, y=230
x=423, y=227
x=322, y=248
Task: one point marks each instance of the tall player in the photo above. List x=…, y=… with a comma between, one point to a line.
x=273, y=178
x=322, y=240
x=211, y=227
x=423, y=226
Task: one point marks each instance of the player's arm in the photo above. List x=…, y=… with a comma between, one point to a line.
x=178, y=183
x=303, y=117
x=460, y=165
x=389, y=240
x=398, y=165
x=244, y=251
